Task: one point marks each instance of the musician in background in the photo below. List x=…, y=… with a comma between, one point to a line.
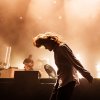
x=28, y=63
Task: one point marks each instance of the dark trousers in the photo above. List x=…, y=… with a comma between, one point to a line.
x=63, y=93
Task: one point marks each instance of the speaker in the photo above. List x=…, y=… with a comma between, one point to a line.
x=26, y=75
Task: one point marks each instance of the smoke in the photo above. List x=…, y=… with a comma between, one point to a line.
x=83, y=18
x=78, y=21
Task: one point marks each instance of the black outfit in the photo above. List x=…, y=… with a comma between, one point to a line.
x=63, y=93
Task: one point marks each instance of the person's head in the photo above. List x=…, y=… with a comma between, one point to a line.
x=48, y=40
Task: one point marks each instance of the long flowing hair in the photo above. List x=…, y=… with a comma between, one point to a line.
x=41, y=39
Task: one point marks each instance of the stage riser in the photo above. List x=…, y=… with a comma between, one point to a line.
x=32, y=88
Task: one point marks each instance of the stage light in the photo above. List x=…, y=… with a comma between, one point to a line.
x=59, y=17
x=20, y=17
x=98, y=70
x=18, y=62
x=98, y=67
x=83, y=8
x=54, y=1
x=98, y=75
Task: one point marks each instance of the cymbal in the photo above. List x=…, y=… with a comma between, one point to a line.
x=50, y=70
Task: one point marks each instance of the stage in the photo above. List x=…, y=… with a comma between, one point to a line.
x=27, y=86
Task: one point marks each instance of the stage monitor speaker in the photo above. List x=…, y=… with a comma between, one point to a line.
x=26, y=75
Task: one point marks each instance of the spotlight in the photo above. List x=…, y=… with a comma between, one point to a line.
x=20, y=17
